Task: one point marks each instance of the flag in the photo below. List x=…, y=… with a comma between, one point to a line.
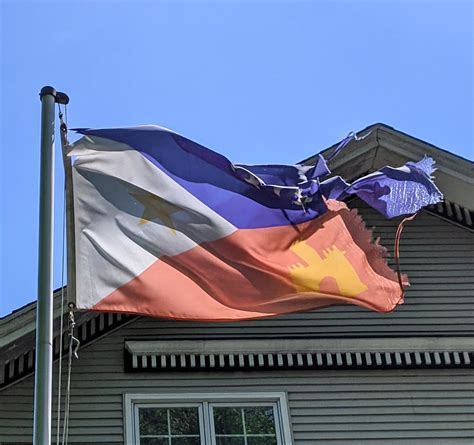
x=168, y=228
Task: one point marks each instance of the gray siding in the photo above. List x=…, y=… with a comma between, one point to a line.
x=335, y=407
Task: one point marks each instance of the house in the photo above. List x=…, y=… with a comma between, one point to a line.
x=342, y=375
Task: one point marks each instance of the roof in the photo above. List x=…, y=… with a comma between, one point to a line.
x=383, y=145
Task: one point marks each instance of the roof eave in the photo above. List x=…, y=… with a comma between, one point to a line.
x=385, y=145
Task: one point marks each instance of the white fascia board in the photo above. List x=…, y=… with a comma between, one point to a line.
x=413, y=344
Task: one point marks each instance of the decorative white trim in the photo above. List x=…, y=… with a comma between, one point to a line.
x=132, y=401
x=186, y=355
x=401, y=344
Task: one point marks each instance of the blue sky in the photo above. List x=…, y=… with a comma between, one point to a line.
x=259, y=81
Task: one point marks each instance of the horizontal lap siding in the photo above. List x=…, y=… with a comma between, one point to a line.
x=334, y=407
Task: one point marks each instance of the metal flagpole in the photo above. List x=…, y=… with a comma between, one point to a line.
x=44, y=310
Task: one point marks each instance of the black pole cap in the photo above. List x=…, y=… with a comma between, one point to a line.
x=60, y=98
x=47, y=90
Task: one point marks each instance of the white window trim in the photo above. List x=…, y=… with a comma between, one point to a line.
x=138, y=405
x=279, y=399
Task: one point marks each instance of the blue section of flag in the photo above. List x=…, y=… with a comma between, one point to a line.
x=253, y=196
x=213, y=179
x=398, y=191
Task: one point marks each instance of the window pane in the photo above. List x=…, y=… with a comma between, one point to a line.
x=153, y=441
x=228, y=421
x=153, y=421
x=259, y=420
x=230, y=441
x=184, y=421
x=186, y=441
x=261, y=440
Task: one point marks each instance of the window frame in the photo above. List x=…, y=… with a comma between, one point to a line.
x=205, y=403
x=137, y=406
x=273, y=404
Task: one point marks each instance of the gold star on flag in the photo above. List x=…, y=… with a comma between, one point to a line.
x=156, y=208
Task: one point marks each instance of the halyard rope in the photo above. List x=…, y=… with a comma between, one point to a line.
x=61, y=325
x=74, y=343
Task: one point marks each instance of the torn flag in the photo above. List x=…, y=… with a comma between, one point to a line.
x=168, y=228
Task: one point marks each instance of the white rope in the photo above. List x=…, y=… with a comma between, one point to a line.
x=73, y=341
x=73, y=347
x=61, y=326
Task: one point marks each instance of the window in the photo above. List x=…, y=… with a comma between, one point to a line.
x=207, y=419
x=246, y=425
x=166, y=426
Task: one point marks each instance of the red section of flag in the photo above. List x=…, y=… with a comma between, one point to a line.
x=267, y=271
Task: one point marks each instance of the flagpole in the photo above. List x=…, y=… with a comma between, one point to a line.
x=44, y=309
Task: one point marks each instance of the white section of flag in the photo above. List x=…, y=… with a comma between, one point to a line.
x=113, y=243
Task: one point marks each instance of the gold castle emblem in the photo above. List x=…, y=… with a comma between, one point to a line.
x=332, y=264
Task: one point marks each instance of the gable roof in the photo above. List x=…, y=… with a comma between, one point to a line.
x=383, y=146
